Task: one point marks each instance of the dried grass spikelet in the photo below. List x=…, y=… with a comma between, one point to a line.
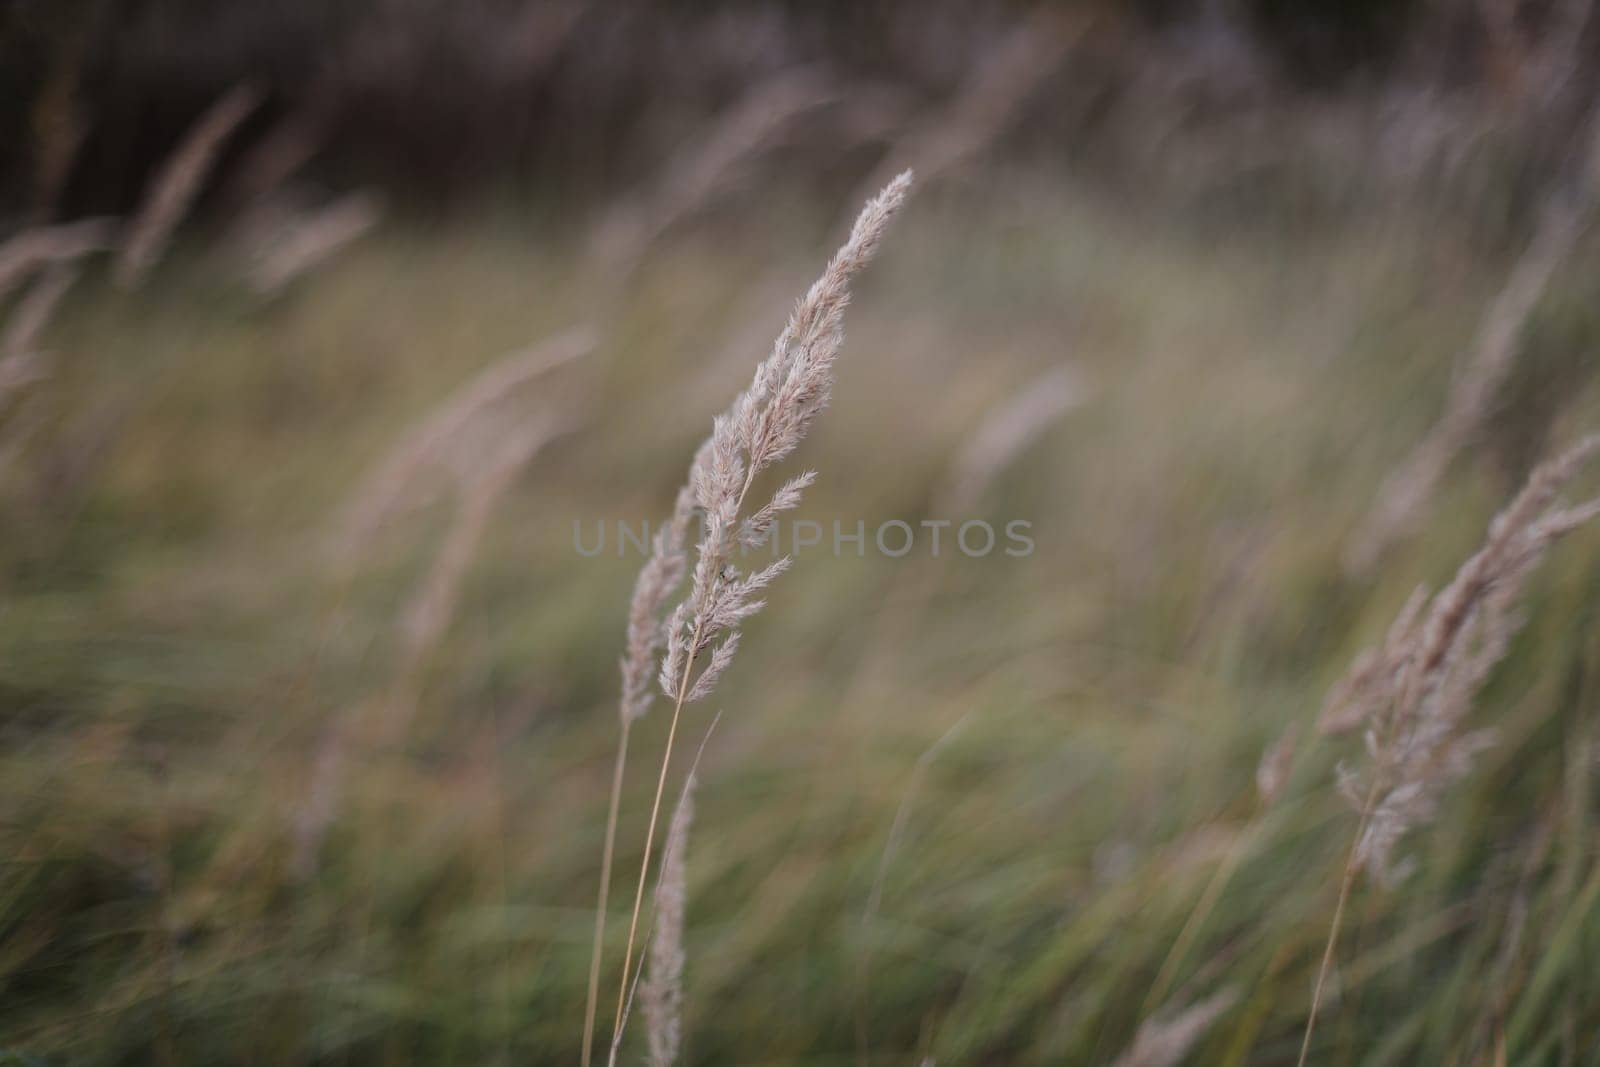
x=27, y=251
x=1414, y=691
x=313, y=238
x=661, y=995
x=177, y=183
x=658, y=579
x=705, y=167
x=436, y=442
x=1403, y=498
x=1165, y=1040
x=1006, y=433
x=763, y=426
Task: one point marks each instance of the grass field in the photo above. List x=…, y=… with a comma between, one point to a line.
x=994, y=810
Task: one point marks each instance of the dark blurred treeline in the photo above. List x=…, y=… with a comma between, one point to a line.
x=434, y=100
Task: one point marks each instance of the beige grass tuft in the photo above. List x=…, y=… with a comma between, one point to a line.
x=763, y=426
x=1414, y=691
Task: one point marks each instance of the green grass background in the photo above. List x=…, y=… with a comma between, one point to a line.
x=174, y=646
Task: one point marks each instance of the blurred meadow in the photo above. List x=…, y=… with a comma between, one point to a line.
x=308, y=697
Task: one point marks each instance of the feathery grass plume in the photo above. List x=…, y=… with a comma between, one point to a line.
x=1414, y=691
x=39, y=246
x=658, y=580
x=178, y=181
x=662, y=993
x=1375, y=674
x=314, y=238
x=1006, y=433
x=702, y=169
x=1165, y=1040
x=434, y=442
x=763, y=426
x=1433, y=665
x=1403, y=498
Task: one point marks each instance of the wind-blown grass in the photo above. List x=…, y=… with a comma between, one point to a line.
x=1413, y=694
x=1117, y=690
x=765, y=424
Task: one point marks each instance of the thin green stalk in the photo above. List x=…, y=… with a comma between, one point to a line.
x=1345, y=885
x=650, y=834
x=605, y=891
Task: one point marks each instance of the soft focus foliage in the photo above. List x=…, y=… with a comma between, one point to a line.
x=310, y=701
